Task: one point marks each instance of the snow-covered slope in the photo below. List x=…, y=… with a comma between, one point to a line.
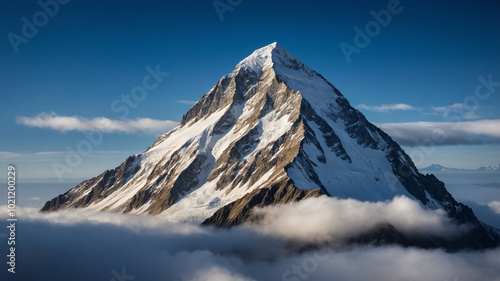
x=272, y=128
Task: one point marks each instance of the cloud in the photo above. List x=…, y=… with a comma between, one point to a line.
x=102, y=124
x=7, y=154
x=187, y=102
x=458, y=109
x=49, y=153
x=217, y=274
x=324, y=218
x=83, y=245
x=494, y=206
x=42, y=156
x=444, y=133
x=52, y=155
x=387, y=107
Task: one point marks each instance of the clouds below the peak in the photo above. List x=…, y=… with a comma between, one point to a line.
x=323, y=219
x=102, y=124
x=56, y=245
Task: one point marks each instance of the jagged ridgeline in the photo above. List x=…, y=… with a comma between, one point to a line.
x=273, y=131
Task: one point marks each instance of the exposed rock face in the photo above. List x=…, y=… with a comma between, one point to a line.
x=238, y=211
x=273, y=131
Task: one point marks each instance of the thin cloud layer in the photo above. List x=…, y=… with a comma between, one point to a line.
x=187, y=102
x=460, y=109
x=387, y=107
x=82, y=245
x=444, y=133
x=102, y=124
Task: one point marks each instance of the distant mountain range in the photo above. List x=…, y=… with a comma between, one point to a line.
x=437, y=167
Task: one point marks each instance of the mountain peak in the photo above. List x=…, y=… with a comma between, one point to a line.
x=273, y=131
x=272, y=55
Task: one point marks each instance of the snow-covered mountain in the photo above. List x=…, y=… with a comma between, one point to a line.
x=490, y=168
x=437, y=167
x=272, y=131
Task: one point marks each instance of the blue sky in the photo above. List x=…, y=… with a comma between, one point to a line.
x=416, y=76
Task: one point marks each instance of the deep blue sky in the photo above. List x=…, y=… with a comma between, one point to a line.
x=429, y=56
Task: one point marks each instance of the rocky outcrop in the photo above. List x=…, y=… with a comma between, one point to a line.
x=239, y=211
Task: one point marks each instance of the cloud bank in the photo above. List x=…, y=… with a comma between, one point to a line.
x=444, y=133
x=102, y=124
x=83, y=245
x=325, y=218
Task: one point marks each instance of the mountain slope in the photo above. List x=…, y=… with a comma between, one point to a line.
x=272, y=131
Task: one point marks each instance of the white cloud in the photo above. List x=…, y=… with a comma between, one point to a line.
x=387, y=107
x=187, y=102
x=325, y=218
x=217, y=274
x=102, y=124
x=494, y=206
x=54, y=155
x=49, y=153
x=9, y=155
x=444, y=133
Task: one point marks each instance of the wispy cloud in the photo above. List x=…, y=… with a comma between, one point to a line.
x=444, y=133
x=102, y=124
x=8, y=155
x=188, y=102
x=52, y=155
x=460, y=110
x=387, y=107
x=468, y=113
